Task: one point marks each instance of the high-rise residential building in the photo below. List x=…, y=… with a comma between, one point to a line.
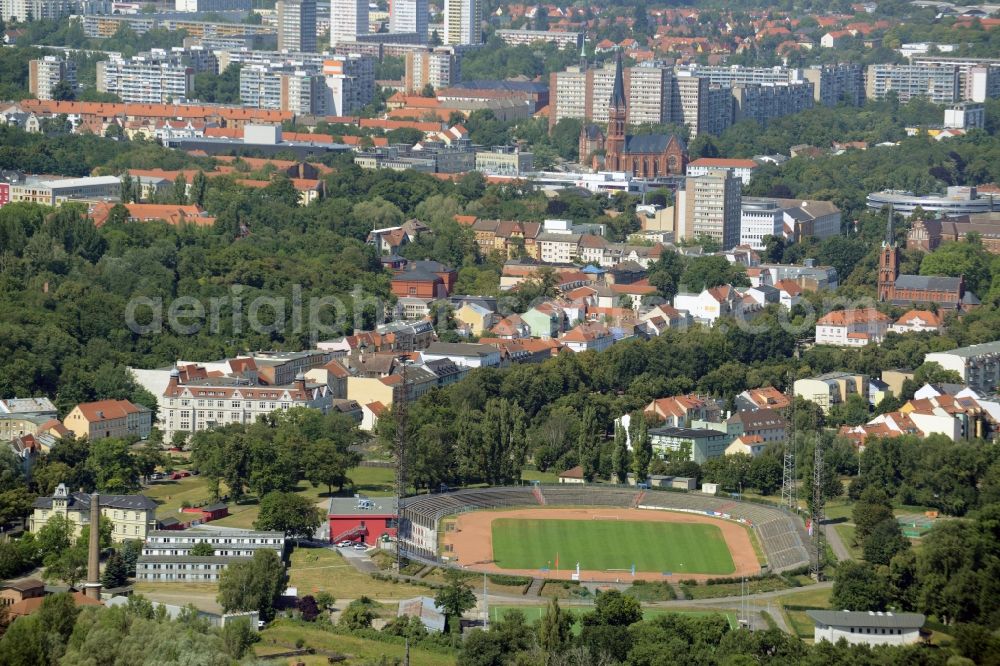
x=348, y=19
x=195, y=6
x=44, y=74
x=649, y=94
x=350, y=84
x=979, y=78
x=763, y=102
x=709, y=205
x=833, y=84
x=408, y=16
x=146, y=79
x=297, y=25
x=463, y=22
x=438, y=67
x=940, y=84
x=737, y=75
x=35, y=10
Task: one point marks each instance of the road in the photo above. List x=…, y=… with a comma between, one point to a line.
x=840, y=550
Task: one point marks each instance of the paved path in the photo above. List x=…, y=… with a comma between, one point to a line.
x=840, y=550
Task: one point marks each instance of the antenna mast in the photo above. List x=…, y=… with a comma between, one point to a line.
x=400, y=409
x=816, y=520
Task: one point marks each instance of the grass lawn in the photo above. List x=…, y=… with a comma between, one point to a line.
x=611, y=544
x=316, y=569
x=282, y=635
x=542, y=477
x=535, y=613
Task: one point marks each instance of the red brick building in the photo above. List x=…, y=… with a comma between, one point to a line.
x=927, y=235
x=424, y=279
x=642, y=155
x=362, y=519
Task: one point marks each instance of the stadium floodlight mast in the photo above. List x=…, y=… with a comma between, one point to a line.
x=788, y=498
x=817, y=517
x=400, y=409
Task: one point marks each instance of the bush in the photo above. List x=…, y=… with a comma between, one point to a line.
x=513, y=581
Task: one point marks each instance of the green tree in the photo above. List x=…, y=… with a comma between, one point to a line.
x=239, y=635
x=255, y=585
x=359, y=614
x=290, y=513
x=203, y=549
x=884, y=542
x=114, y=468
x=590, y=444
x=455, y=597
x=69, y=566
x=620, y=458
x=178, y=194
x=859, y=587
x=325, y=461
x=115, y=574
x=555, y=629
x=55, y=536
x=642, y=447
x=199, y=186
x=871, y=509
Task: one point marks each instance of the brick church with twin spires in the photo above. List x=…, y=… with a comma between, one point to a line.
x=641, y=155
x=944, y=293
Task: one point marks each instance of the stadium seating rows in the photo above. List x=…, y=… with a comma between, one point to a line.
x=781, y=534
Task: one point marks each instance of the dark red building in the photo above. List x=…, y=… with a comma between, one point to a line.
x=362, y=519
x=424, y=279
x=642, y=155
x=209, y=512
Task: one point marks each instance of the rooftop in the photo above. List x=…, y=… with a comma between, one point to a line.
x=360, y=506
x=868, y=619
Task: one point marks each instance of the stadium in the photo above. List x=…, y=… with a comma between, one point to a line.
x=600, y=534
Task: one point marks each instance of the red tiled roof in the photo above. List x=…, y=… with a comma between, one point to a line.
x=106, y=410
x=847, y=317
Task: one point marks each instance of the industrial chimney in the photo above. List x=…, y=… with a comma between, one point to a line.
x=93, y=585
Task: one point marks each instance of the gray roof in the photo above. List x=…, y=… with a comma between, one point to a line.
x=81, y=502
x=460, y=349
x=867, y=619
x=974, y=350
x=205, y=532
x=687, y=433
x=26, y=405
x=348, y=506
x=190, y=559
x=928, y=283
x=215, y=507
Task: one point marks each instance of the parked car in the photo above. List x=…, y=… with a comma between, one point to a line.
x=345, y=544
x=360, y=546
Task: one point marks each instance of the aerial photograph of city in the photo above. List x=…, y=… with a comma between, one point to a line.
x=485, y=333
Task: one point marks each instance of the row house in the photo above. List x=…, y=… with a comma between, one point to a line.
x=587, y=337
x=509, y=238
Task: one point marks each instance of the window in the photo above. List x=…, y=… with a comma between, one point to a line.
x=236, y=404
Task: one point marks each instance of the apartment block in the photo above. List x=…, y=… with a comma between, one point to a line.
x=978, y=365
x=557, y=37
x=505, y=161
x=833, y=84
x=348, y=19
x=410, y=16
x=438, y=67
x=759, y=218
x=763, y=102
x=831, y=389
x=463, y=21
x=109, y=418
x=650, y=93
x=195, y=6
x=166, y=554
x=940, y=84
x=146, y=79
x=296, y=25
x=46, y=73
x=350, y=84
x=979, y=77
x=709, y=205
x=736, y=75
x=35, y=10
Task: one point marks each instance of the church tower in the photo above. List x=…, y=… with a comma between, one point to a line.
x=615, y=143
x=888, y=262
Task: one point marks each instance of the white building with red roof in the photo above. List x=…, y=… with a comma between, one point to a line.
x=587, y=337
x=917, y=321
x=852, y=328
x=742, y=169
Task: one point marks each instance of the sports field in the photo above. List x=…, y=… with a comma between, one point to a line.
x=605, y=545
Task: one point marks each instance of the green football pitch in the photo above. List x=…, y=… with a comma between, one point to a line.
x=605, y=545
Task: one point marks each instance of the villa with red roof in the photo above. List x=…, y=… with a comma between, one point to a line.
x=916, y=321
x=852, y=328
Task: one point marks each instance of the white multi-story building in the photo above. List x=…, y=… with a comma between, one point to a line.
x=200, y=404
x=35, y=10
x=166, y=555
x=195, y=6
x=760, y=218
x=154, y=78
x=977, y=365
x=556, y=248
x=438, y=67
x=463, y=22
x=46, y=73
x=350, y=84
x=557, y=37
x=649, y=95
x=709, y=205
x=296, y=25
x=52, y=192
x=940, y=84
x=409, y=16
x=852, y=328
x=348, y=19
x=980, y=77
x=742, y=169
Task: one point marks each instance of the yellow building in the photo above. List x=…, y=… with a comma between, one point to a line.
x=475, y=317
x=131, y=516
x=109, y=418
x=831, y=389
